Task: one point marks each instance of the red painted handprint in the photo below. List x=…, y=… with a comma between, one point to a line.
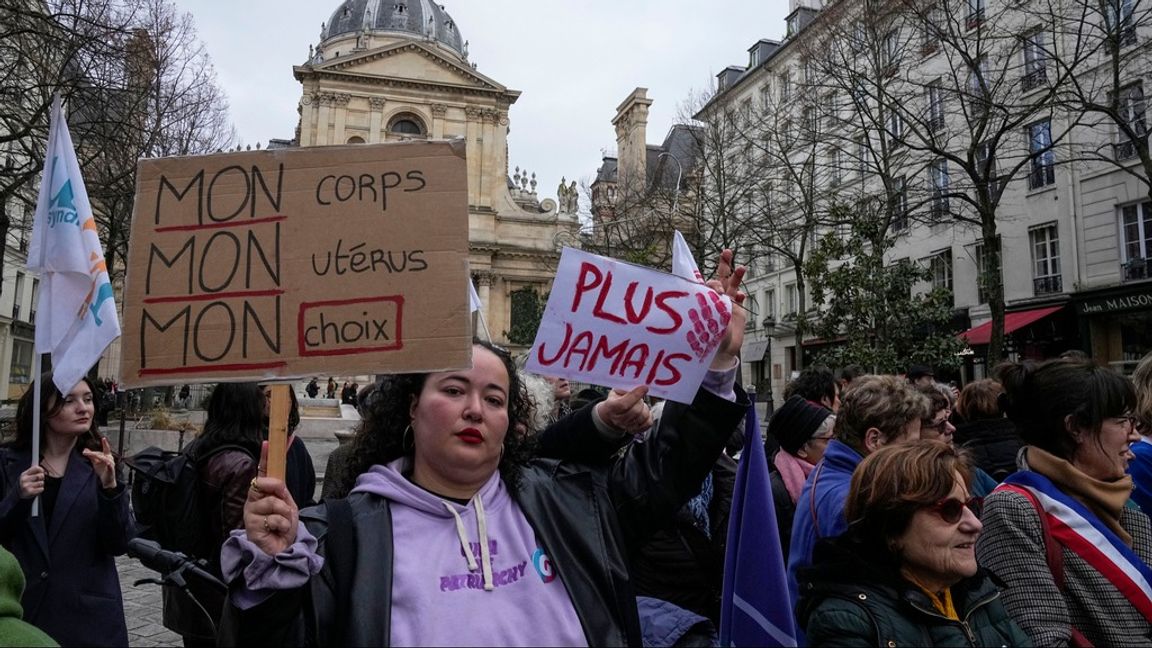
x=709, y=322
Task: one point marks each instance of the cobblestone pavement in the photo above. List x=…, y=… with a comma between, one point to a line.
x=142, y=607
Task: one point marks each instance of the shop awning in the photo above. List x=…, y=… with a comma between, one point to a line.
x=754, y=351
x=982, y=334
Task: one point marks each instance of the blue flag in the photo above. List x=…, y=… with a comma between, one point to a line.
x=755, y=609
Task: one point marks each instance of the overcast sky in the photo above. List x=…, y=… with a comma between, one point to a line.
x=574, y=62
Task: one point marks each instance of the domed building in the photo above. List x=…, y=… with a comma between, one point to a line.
x=387, y=70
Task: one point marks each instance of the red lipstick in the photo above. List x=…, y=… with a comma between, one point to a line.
x=471, y=436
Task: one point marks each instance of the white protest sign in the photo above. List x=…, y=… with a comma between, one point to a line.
x=616, y=324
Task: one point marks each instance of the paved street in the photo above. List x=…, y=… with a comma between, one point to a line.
x=142, y=607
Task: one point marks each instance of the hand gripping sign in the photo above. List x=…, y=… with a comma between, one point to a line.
x=619, y=325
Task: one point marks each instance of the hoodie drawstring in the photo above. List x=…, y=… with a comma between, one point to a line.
x=462, y=536
x=485, y=556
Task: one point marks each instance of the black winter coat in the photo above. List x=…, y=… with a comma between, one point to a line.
x=993, y=444
x=850, y=598
x=73, y=589
x=589, y=519
x=683, y=564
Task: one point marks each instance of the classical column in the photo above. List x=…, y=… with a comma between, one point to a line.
x=340, y=102
x=308, y=118
x=483, y=286
x=475, y=145
x=439, y=111
x=376, y=119
x=324, y=120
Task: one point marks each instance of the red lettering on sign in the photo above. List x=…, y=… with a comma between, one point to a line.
x=662, y=303
x=589, y=278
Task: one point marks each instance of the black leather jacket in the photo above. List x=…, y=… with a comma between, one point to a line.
x=589, y=519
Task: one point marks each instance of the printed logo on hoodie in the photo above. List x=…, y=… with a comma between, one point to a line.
x=543, y=565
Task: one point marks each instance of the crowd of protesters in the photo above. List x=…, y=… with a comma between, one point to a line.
x=487, y=506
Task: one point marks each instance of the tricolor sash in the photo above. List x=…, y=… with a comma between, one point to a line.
x=1082, y=532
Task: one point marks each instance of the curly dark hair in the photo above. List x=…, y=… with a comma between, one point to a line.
x=51, y=402
x=380, y=436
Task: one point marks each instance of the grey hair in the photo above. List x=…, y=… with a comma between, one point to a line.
x=543, y=399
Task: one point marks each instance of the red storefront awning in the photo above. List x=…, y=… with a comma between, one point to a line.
x=982, y=334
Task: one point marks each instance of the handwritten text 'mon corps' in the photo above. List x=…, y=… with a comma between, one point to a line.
x=220, y=277
x=631, y=304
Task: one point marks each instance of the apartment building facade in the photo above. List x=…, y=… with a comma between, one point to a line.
x=970, y=121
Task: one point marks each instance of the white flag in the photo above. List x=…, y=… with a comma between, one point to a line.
x=474, y=303
x=683, y=265
x=76, y=315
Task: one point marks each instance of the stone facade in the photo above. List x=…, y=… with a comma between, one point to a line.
x=381, y=82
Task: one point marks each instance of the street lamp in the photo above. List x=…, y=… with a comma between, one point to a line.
x=769, y=327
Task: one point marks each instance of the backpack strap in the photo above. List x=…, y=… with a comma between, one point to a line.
x=340, y=554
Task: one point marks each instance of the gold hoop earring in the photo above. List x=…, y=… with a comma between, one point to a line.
x=408, y=439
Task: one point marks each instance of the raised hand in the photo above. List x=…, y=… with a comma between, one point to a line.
x=728, y=283
x=626, y=410
x=270, y=516
x=709, y=321
x=103, y=463
x=32, y=482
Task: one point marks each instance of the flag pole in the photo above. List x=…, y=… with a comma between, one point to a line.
x=36, y=386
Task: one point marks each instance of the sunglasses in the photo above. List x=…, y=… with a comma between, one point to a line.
x=951, y=509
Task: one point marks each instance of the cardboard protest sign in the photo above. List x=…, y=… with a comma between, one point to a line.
x=615, y=324
x=294, y=262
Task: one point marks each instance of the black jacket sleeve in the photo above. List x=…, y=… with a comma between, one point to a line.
x=574, y=437
x=655, y=478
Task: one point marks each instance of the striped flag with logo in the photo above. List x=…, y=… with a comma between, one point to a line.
x=76, y=316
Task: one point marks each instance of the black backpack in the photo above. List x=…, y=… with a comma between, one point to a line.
x=166, y=497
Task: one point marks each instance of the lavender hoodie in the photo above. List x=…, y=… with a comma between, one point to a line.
x=469, y=575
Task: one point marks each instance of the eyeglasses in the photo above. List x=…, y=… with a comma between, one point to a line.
x=951, y=509
x=823, y=438
x=1128, y=418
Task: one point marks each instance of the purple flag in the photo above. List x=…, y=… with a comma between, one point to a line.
x=755, y=609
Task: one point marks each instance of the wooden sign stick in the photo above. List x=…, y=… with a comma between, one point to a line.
x=278, y=430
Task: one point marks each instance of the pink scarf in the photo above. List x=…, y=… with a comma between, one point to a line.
x=793, y=470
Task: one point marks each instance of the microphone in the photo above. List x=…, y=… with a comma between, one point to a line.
x=158, y=559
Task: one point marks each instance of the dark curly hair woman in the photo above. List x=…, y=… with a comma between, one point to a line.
x=456, y=534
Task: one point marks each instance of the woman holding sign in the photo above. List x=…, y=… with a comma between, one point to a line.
x=458, y=535
x=68, y=551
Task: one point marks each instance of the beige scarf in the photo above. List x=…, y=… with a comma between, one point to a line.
x=1105, y=499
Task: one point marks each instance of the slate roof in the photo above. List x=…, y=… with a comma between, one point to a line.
x=418, y=17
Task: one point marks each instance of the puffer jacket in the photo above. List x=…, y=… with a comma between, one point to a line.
x=849, y=598
x=589, y=519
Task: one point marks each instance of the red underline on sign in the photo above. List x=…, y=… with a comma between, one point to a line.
x=212, y=296
x=211, y=226
x=211, y=368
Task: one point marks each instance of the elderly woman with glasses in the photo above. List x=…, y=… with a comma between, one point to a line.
x=905, y=572
x=938, y=425
x=1060, y=532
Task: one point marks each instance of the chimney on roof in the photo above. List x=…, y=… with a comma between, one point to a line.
x=631, y=124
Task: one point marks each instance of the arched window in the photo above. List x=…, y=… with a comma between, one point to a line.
x=355, y=139
x=407, y=124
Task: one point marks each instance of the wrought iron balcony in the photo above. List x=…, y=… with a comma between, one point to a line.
x=1136, y=269
x=1047, y=285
